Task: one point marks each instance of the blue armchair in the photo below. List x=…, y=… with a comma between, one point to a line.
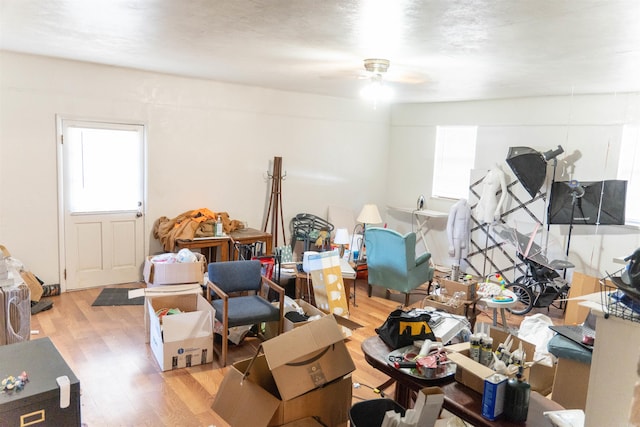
x=392, y=262
x=236, y=289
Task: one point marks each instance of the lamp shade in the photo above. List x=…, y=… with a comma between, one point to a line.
x=529, y=166
x=342, y=236
x=369, y=215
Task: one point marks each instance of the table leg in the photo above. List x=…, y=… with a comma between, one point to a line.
x=504, y=319
x=355, y=280
x=403, y=395
x=470, y=316
x=269, y=242
x=298, y=287
x=311, y=295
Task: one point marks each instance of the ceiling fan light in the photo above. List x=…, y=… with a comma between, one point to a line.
x=376, y=91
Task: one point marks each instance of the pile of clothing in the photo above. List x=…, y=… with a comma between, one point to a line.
x=191, y=224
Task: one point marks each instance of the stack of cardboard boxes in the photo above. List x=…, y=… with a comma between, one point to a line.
x=184, y=339
x=300, y=374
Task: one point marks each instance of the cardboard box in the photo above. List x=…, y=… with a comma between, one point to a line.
x=308, y=309
x=346, y=324
x=439, y=302
x=581, y=284
x=469, y=287
x=541, y=378
x=429, y=401
x=308, y=357
x=302, y=373
x=571, y=383
x=472, y=374
x=174, y=273
x=305, y=422
x=184, y=339
x=158, y=291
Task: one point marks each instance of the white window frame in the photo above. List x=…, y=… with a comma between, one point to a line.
x=454, y=158
x=629, y=170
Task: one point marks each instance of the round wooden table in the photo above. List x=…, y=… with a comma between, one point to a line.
x=459, y=399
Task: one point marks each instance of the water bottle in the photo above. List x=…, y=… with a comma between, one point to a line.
x=218, y=232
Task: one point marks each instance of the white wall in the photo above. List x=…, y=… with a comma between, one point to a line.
x=210, y=145
x=587, y=127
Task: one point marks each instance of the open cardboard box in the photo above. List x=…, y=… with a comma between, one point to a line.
x=472, y=374
x=159, y=291
x=469, y=287
x=309, y=310
x=156, y=274
x=346, y=325
x=301, y=373
x=184, y=339
x=439, y=302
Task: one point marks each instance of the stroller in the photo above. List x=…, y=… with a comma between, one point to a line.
x=541, y=285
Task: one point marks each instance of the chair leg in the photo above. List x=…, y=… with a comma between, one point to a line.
x=225, y=346
x=370, y=289
x=406, y=299
x=429, y=287
x=382, y=387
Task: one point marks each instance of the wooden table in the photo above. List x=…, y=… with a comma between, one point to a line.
x=247, y=236
x=459, y=399
x=210, y=244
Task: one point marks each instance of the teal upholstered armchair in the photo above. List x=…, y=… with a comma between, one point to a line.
x=392, y=262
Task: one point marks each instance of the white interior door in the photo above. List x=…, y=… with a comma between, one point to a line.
x=102, y=201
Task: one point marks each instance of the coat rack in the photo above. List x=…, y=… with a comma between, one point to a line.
x=275, y=202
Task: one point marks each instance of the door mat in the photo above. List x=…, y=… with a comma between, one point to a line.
x=116, y=296
x=42, y=305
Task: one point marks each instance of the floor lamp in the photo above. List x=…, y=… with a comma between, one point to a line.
x=368, y=215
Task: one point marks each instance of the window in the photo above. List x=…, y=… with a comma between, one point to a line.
x=103, y=167
x=454, y=159
x=629, y=170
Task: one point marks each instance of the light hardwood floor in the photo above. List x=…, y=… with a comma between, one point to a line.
x=122, y=385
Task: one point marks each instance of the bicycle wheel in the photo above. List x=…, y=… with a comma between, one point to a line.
x=525, y=297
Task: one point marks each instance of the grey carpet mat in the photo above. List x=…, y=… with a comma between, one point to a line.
x=116, y=296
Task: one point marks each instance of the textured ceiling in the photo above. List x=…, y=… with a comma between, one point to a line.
x=439, y=50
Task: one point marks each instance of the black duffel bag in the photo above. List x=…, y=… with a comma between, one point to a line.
x=402, y=328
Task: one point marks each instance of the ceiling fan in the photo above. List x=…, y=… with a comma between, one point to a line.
x=376, y=65
x=396, y=73
x=376, y=90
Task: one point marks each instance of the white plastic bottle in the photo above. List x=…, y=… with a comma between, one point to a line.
x=218, y=231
